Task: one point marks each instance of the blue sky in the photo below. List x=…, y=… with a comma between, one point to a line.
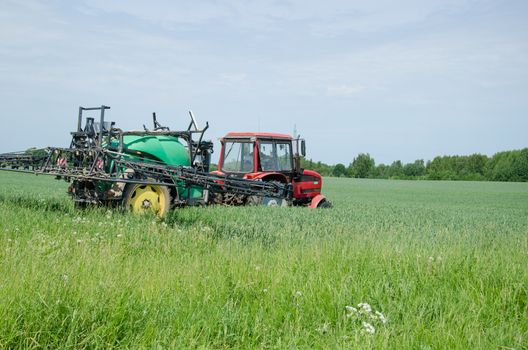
x=397, y=79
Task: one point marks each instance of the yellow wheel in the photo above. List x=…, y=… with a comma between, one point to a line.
x=142, y=199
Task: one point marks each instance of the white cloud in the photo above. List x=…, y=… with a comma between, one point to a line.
x=325, y=18
x=163, y=12
x=299, y=57
x=345, y=90
x=232, y=78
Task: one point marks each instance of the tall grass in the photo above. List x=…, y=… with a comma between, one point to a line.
x=445, y=263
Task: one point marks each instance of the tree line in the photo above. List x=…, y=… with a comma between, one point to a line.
x=502, y=166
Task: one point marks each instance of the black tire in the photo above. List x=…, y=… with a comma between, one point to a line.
x=324, y=204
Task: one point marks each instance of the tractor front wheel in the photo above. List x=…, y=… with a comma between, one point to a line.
x=141, y=199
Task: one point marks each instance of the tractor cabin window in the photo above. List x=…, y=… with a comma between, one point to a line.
x=238, y=157
x=275, y=156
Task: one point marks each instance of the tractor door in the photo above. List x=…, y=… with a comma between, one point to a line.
x=238, y=157
x=275, y=156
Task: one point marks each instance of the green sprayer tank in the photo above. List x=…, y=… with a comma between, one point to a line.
x=166, y=149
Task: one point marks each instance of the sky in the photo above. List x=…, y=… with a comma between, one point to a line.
x=396, y=79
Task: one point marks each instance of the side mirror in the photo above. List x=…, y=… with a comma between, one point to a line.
x=303, y=148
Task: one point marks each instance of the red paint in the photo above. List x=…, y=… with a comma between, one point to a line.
x=316, y=201
x=263, y=135
x=306, y=185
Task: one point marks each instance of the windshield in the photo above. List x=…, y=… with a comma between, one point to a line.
x=238, y=157
x=275, y=156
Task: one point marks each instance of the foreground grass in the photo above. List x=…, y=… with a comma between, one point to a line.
x=445, y=262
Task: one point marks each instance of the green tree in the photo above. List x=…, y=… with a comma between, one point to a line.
x=415, y=169
x=362, y=165
x=339, y=170
x=381, y=171
x=522, y=165
x=396, y=169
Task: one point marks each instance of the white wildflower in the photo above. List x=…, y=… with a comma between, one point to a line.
x=381, y=317
x=324, y=328
x=351, y=309
x=265, y=290
x=119, y=235
x=365, y=308
x=369, y=328
x=298, y=294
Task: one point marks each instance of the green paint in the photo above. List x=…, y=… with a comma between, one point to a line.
x=167, y=149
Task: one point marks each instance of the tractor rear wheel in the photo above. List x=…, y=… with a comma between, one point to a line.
x=141, y=199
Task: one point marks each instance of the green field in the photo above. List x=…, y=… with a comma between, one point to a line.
x=446, y=263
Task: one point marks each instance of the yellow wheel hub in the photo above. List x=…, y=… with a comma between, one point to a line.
x=149, y=199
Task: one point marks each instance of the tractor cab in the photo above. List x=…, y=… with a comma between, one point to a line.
x=244, y=153
x=270, y=157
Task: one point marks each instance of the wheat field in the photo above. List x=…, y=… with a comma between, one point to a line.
x=394, y=264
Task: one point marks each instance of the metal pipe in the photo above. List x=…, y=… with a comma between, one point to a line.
x=95, y=108
x=79, y=120
x=199, y=140
x=101, y=126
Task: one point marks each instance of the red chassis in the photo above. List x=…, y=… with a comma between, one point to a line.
x=270, y=157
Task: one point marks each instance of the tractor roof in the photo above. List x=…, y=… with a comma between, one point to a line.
x=264, y=135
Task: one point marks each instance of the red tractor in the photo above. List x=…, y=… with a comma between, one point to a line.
x=269, y=157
